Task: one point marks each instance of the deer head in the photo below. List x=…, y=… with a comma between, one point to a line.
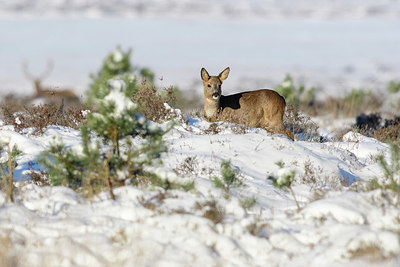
x=212, y=91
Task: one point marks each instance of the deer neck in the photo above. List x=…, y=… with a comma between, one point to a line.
x=211, y=108
x=40, y=92
x=38, y=88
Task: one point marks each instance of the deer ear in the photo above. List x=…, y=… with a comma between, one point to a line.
x=204, y=75
x=224, y=74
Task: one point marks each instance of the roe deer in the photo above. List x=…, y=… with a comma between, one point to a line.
x=49, y=94
x=262, y=108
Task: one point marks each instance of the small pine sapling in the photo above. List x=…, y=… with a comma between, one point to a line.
x=248, y=202
x=80, y=169
x=229, y=178
x=8, y=163
x=393, y=87
x=63, y=165
x=99, y=166
x=283, y=179
x=117, y=65
x=391, y=170
x=295, y=95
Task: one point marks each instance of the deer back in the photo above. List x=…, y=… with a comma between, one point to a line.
x=253, y=108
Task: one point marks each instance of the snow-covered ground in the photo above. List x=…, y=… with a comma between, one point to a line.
x=340, y=226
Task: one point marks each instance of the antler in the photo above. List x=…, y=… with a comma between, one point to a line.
x=48, y=70
x=26, y=71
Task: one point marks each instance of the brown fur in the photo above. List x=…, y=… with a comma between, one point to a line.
x=262, y=108
x=49, y=94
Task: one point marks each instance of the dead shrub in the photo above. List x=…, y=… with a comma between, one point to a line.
x=151, y=102
x=316, y=178
x=211, y=210
x=212, y=129
x=10, y=105
x=371, y=125
x=38, y=177
x=301, y=125
x=311, y=174
x=39, y=117
x=388, y=134
x=188, y=166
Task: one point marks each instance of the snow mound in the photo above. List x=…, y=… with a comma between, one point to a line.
x=154, y=227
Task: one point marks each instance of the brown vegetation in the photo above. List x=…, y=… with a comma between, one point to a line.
x=373, y=125
x=151, y=102
x=39, y=117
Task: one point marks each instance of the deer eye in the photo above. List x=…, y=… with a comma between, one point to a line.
x=209, y=85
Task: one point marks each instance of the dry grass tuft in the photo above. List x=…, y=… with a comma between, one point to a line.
x=211, y=211
x=368, y=252
x=154, y=202
x=390, y=132
x=352, y=104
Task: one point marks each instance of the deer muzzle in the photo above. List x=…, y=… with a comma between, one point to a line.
x=216, y=95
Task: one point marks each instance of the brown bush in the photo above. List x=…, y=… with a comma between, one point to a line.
x=151, y=102
x=11, y=104
x=388, y=134
x=39, y=117
x=371, y=125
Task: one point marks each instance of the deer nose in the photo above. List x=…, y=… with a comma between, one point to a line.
x=215, y=95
